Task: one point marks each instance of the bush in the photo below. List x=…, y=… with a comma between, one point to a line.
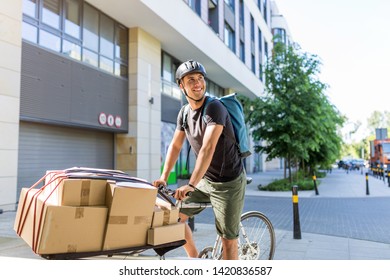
x=305, y=184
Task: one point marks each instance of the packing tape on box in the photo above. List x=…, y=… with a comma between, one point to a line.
x=79, y=213
x=85, y=190
x=142, y=220
x=118, y=220
x=72, y=248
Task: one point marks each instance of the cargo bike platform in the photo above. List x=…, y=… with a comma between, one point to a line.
x=160, y=250
x=30, y=223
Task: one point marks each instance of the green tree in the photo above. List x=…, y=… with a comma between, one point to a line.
x=378, y=119
x=294, y=120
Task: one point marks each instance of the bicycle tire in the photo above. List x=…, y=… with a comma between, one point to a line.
x=206, y=253
x=259, y=231
x=260, y=234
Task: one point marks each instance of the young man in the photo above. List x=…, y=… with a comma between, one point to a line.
x=218, y=176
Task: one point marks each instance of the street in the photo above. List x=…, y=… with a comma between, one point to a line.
x=365, y=217
x=341, y=222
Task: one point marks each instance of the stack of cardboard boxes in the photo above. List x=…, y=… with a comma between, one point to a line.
x=87, y=215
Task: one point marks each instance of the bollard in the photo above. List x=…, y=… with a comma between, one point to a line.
x=388, y=178
x=367, y=190
x=191, y=223
x=315, y=183
x=297, y=226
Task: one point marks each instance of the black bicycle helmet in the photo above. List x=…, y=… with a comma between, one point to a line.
x=190, y=66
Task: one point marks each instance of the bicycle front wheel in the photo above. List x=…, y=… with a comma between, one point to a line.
x=257, y=237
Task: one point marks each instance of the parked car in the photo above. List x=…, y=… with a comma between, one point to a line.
x=356, y=164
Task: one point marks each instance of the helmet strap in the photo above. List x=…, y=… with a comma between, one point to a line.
x=196, y=100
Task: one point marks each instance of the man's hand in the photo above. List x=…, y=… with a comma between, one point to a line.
x=182, y=192
x=157, y=183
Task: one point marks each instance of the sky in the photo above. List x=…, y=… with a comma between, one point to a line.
x=352, y=39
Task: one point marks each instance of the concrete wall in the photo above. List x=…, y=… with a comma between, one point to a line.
x=10, y=68
x=138, y=152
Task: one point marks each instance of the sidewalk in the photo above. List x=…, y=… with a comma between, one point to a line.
x=314, y=246
x=309, y=247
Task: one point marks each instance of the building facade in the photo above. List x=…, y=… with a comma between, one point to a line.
x=91, y=82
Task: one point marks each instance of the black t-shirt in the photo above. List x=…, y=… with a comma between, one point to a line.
x=226, y=163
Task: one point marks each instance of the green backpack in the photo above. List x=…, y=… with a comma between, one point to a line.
x=237, y=118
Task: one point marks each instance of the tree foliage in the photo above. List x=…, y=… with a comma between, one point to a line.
x=294, y=119
x=378, y=119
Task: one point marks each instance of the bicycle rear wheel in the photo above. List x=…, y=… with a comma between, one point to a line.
x=257, y=237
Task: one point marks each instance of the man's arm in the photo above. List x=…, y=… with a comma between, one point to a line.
x=210, y=140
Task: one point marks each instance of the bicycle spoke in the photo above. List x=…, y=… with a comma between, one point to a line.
x=257, y=237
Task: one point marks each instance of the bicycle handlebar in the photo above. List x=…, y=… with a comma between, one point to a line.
x=170, y=192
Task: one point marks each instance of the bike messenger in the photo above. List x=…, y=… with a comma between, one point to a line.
x=218, y=176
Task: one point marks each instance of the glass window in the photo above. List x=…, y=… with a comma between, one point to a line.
x=91, y=28
x=260, y=38
x=241, y=12
x=71, y=49
x=213, y=89
x=121, y=42
x=29, y=32
x=106, y=64
x=230, y=3
x=252, y=28
x=279, y=35
x=167, y=68
x=195, y=5
x=120, y=70
x=29, y=7
x=78, y=30
x=51, y=13
x=261, y=72
x=242, y=51
x=386, y=148
x=49, y=40
x=229, y=37
x=72, y=18
x=253, y=65
x=106, y=36
x=90, y=57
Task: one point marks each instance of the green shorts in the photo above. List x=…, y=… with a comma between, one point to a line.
x=227, y=200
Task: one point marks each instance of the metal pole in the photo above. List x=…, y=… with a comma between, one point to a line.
x=297, y=226
x=388, y=177
x=315, y=183
x=367, y=190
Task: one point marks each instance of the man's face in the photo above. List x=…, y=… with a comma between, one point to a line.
x=194, y=85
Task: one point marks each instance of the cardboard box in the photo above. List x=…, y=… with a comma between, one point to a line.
x=163, y=204
x=171, y=213
x=158, y=217
x=72, y=229
x=77, y=192
x=24, y=218
x=53, y=229
x=171, y=216
x=166, y=234
x=131, y=207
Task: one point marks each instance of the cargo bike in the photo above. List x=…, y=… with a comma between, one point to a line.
x=256, y=240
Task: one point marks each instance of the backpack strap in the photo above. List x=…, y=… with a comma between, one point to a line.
x=185, y=126
x=208, y=100
x=185, y=116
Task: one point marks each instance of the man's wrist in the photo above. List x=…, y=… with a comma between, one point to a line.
x=192, y=186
